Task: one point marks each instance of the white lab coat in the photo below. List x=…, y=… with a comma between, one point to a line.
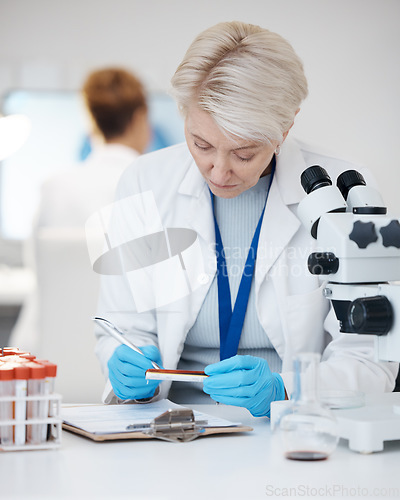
x=289, y=300
x=67, y=199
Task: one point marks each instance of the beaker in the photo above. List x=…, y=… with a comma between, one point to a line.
x=308, y=429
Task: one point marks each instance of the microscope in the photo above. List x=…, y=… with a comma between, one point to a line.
x=358, y=255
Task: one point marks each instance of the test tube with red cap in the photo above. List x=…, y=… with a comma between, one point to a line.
x=49, y=382
x=27, y=357
x=13, y=351
x=51, y=372
x=6, y=351
x=36, y=409
x=21, y=376
x=6, y=407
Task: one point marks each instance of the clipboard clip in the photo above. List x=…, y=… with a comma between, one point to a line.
x=176, y=426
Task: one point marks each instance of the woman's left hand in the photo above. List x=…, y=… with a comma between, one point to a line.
x=244, y=381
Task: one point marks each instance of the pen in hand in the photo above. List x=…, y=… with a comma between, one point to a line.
x=112, y=330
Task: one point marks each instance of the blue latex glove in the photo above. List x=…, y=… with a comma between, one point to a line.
x=126, y=371
x=244, y=381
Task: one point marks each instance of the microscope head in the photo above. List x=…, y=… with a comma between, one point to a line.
x=358, y=255
x=357, y=241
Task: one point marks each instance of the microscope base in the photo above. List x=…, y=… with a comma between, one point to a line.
x=368, y=427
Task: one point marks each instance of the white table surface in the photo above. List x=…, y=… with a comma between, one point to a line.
x=242, y=466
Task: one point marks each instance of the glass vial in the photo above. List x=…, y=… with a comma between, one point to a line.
x=308, y=429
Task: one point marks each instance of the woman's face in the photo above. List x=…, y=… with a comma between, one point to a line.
x=230, y=165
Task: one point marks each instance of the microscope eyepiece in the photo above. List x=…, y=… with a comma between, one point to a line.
x=319, y=201
x=359, y=198
x=348, y=180
x=314, y=178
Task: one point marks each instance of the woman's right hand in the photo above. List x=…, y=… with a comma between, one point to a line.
x=127, y=372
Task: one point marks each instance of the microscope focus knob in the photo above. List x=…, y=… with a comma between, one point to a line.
x=371, y=315
x=323, y=263
x=391, y=234
x=363, y=233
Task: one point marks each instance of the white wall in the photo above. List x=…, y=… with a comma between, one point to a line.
x=350, y=49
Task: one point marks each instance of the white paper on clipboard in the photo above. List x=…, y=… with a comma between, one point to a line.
x=109, y=419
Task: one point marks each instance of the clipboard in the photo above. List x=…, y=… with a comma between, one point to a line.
x=176, y=424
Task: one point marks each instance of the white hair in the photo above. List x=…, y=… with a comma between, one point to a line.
x=247, y=78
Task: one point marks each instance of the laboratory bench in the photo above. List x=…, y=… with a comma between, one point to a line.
x=242, y=466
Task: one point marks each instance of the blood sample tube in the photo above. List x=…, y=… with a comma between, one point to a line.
x=27, y=357
x=51, y=372
x=14, y=351
x=7, y=351
x=21, y=376
x=36, y=409
x=6, y=407
x=49, y=382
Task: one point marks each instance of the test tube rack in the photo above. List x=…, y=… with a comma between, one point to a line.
x=52, y=424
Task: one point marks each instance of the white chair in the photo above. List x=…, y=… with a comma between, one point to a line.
x=67, y=297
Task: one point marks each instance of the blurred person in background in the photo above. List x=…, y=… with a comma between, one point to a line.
x=117, y=105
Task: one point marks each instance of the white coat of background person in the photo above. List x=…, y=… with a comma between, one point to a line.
x=116, y=103
x=239, y=88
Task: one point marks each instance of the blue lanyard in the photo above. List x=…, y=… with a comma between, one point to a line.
x=231, y=322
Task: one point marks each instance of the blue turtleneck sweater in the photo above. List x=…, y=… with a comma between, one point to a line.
x=237, y=219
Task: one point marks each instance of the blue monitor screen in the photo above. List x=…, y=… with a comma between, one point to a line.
x=59, y=138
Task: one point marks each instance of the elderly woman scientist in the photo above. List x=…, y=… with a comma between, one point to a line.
x=236, y=184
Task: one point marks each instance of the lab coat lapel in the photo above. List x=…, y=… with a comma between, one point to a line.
x=199, y=215
x=280, y=222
